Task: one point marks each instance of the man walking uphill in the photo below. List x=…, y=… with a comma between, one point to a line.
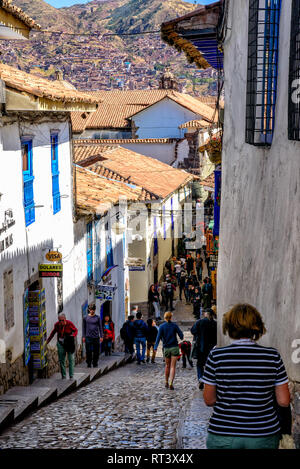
x=92, y=336
x=66, y=331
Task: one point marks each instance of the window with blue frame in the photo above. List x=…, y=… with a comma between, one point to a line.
x=164, y=222
x=97, y=252
x=55, y=173
x=263, y=47
x=109, y=253
x=155, y=250
x=172, y=215
x=89, y=251
x=28, y=178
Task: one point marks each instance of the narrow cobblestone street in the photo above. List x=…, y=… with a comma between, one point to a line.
x=127, y=408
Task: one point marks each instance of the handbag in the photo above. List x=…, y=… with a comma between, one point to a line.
x=69, y=344
x=284, y=415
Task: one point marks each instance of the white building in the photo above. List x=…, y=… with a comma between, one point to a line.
x=36, y=207
x=145, y=121
x=152, y=236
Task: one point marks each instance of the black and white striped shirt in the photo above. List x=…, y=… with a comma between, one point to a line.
x=245, y=375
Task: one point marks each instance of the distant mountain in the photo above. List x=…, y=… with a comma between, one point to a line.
x=143, y=15
x=46, y=15
x=91, y=61
x=115, y=15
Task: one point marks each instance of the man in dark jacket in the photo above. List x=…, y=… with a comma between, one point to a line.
x=140, y=333
x=205, y=334
x=169, y=290
x=127, y=334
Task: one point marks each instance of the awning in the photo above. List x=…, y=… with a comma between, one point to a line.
x=197, y=35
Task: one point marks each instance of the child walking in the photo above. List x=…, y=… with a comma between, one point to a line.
x=108, y=334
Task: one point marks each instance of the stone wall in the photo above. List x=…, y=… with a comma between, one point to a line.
x=296, y=413
x=13, y=374
x=16, y=374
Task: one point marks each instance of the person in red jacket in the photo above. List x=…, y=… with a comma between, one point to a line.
x=108, y=334
x=64, y=330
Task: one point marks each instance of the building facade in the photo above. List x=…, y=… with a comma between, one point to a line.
x=259, y=248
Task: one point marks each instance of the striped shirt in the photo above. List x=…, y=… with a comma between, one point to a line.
x=245, y=375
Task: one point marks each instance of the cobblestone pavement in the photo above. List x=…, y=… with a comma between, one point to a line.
x=128, y=408
x=192, y=429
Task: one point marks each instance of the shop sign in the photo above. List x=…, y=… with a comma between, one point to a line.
x=50, y=270
x=137, y=268
x=105, y=292
x=53, y=256
x=8, y=222
x=213, y=260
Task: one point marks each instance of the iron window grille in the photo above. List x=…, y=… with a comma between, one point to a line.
x=294, y=75
x=89, y=251
x=55, y=174
x=263, y=45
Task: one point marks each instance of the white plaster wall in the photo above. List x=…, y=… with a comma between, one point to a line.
x=260, y=220
x=162, y=120
x=182, y=152
x=47, y=232
x=164, y=152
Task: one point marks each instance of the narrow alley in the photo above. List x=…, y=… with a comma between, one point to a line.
x=127, y=408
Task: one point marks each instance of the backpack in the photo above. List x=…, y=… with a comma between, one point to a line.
x=123, y=332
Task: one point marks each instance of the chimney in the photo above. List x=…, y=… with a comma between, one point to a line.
x=59, y=75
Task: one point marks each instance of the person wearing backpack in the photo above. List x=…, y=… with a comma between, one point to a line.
x=108, y=334
x=207, y=293
x=151, y=338
x=127, y=335
x=169, y=289
x=140, y=334
x=205, y=334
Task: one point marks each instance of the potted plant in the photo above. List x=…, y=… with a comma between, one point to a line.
x=213, y=148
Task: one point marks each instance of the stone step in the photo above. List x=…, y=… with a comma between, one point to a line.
x=81, y=378
x=6, y=415
x=44, y=394
x=21, y=402
x=93, y=373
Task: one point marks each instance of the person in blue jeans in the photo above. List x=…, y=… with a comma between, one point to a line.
x=140, y=333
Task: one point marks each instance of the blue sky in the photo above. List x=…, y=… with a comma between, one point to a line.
x=67, y=3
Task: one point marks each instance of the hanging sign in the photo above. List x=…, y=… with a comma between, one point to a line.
x=50, y=270
x=53, y=256
x=105, y=292
x=137, y=268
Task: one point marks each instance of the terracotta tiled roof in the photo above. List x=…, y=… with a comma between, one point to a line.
x=195, y=124
x=84, y=153
x=19, y=14
x=211, y=101
x=116, y=107
x=96, y=194
x=152, y=175
x=209, y=181
x=118, y=141
x=40, y=87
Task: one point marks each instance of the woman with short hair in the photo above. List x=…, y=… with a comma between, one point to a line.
x=242, y=382
x=167, y=332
